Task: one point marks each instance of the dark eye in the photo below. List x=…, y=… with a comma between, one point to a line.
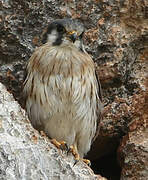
x=81, y=35
x=60, y=28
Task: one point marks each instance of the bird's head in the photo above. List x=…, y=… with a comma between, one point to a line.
x=65, y=31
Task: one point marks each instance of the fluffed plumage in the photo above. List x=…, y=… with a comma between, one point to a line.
x=61, y=89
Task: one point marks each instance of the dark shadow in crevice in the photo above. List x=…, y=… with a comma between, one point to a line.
x=107, y=166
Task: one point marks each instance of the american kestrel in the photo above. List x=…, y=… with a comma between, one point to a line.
x=63, y=93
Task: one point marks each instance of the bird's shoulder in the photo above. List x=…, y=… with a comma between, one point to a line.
x=52, y=57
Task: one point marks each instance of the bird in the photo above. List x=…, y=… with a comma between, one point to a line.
x=62, y=90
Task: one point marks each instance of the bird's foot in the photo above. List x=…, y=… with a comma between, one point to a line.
x=60, y=144
x=74, y=151
x=87, y=161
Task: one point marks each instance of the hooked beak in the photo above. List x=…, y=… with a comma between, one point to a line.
x=72, y=35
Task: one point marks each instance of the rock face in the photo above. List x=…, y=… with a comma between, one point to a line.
x=133, y=155
x=116, y=36
x=25, y=154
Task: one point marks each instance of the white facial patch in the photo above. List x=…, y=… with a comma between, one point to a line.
x=52, y=36
x=79, y=45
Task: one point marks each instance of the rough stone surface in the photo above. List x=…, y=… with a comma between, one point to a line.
x=123, y=69
x=117, y=38
x=133, y=155
x=25, y=154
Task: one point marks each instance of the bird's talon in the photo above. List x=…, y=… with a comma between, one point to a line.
x=60, y=144
x=73, y=150
x=56, y=143
x=68, y=150
x=76, y=161
x=86, y=161
x=64, y=146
